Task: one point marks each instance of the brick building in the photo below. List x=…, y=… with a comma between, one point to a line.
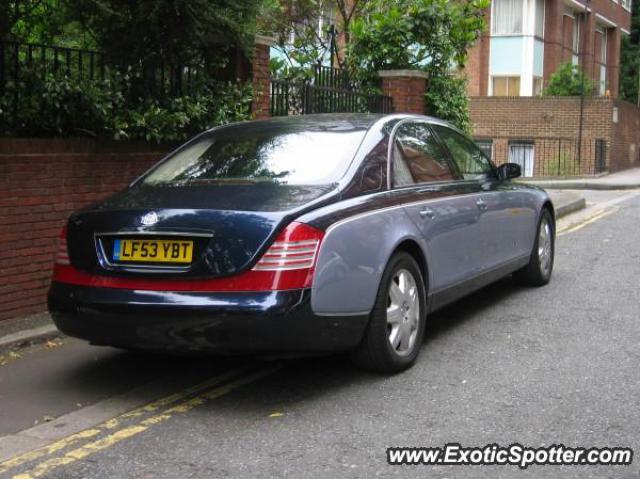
x=525, y=43
x=527, y=40
x=542, y=134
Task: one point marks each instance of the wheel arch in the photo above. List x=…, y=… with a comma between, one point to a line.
x=353, y=256
x=548, y=205
x=412, y=247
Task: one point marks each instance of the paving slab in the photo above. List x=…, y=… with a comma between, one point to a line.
x=621, y=180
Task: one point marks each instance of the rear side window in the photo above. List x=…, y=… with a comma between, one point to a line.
x=417, y=157
x=239, y=156
x=469, y=159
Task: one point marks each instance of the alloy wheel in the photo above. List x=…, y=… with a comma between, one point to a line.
x=545, y=246
x=403, y=312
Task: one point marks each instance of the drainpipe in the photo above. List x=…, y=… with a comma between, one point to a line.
x=586, y=11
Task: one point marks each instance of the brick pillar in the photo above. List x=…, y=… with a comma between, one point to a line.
x=477, y=67
x=406, y=88
x=260, y=107
x=553, y=37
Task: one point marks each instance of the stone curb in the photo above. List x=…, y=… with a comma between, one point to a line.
x=28, y=336
x=572, y=206
x=582, y=185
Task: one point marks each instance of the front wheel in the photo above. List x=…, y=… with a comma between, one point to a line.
x=538, y=271
x=394, y=334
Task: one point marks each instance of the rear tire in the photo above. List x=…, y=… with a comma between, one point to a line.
x=395, y=332
x=538, y=271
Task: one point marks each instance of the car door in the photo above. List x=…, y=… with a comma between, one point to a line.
x=422, y=174
x=502, y=221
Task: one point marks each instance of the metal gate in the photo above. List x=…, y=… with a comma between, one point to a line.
x=328, y=91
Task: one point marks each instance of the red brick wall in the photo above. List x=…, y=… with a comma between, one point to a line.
x=407, y=93
x=543, y=120
x=558, y=44
x=612, y=11
x=41, y=183
x=554, y=37
x=477, y=67
x=539, y=117
x=625, y=137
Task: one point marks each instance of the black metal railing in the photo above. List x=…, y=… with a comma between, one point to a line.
x=22, y=63
x=81, y=64
x=327, y=76
x=76, y=63
x=302, y=98
x=550, y=156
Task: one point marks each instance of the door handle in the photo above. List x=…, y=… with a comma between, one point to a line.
x=481, y=204
x=427, y=213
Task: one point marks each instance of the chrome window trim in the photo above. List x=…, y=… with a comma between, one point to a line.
x=392, y=138
x=395, y=207
x=154, y=232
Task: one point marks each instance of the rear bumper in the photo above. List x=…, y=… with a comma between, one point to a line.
x=227, y=323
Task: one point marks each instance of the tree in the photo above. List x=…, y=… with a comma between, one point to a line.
x=630, y=59
x=313, y=40
x=568, y=80
x=22, y=20
x=429, y=35
x=167, y=31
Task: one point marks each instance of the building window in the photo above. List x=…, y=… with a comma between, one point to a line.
x=626, y=4
x=601, y=42
x=576, y=40
x=506, y=17
x=506, y=86
x=539, y=26
x=537, y=86
x=523, y=154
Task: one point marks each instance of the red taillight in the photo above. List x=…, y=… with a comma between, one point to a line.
x=62, y=255
x=295, y=248
x=288, y=264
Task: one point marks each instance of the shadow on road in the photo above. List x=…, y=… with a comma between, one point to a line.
x=471, y=306
x=50, y=383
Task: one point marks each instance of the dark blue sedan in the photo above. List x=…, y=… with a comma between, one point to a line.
x=301, y=235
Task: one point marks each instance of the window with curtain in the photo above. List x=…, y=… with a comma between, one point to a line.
x=507, y=17
x=601, y=40
x=575, y=58
x=537, y=86
x=506, y=86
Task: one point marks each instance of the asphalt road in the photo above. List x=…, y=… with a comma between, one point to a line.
x=551, y=365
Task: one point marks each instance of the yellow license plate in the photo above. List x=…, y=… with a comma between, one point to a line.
x=154, y=251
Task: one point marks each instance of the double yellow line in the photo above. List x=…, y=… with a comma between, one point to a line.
x=125, y=426
x=587, y=221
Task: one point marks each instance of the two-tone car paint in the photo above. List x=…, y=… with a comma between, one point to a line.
x=463, y=233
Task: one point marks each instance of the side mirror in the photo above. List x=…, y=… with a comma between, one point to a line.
x=508, y=171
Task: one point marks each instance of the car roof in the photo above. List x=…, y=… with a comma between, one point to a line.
x=324, y=122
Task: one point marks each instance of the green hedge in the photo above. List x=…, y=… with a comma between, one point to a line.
x=53, y=105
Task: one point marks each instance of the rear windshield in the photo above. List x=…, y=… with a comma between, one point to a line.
x=251, y=155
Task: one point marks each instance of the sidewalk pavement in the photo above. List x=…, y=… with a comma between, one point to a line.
x=622, y=180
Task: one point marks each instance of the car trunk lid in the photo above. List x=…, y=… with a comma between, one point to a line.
x=226, y=228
